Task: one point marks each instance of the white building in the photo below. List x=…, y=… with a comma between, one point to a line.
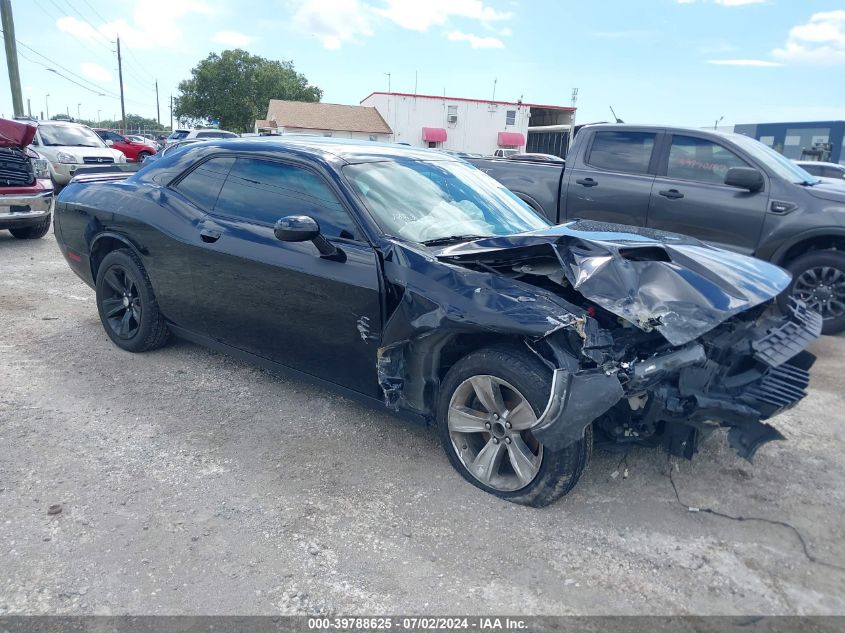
x=472, y=125
x=324, y=119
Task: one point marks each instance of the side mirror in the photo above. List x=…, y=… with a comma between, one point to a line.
x=304, y=228
x=109, y=143
x=744, y=178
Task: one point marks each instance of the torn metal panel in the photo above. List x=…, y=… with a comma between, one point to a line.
x=676, y=285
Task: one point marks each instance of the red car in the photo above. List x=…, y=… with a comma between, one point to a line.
x=133, y=150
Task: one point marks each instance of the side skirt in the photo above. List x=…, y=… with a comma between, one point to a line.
x=279, y=368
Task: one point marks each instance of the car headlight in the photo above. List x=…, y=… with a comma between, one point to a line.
x=41, y=168
x=121, y=157
x=64, y=157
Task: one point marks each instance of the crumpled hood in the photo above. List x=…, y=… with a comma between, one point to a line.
x=674, y=284
x=15, y=133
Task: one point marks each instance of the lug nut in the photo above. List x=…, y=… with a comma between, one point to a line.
x=487, y=426
x=495, y=440
x=508, y=425
x=507, y=440
x=495, y=416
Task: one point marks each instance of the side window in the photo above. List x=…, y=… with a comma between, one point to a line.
x=115, y=137
x=813, y=170
x=698, y=159
x=265, y=191
x=202, y=185
x=208, y=135
x=622, y=151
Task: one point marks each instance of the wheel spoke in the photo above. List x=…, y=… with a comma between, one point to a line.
x=522, y=416
x=111, y=307
x=114, y=282
x=524, y=462
x=464, y=420
x=488, y=460
x=489, y=394
x=124, y=323
x=136, y=314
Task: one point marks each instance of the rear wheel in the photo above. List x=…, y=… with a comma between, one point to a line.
x=489, y=400
x=34, y=231
x=818, y=279
x=127, y=305
x=142, y=156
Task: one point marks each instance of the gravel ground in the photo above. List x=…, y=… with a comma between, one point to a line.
x=191, y=483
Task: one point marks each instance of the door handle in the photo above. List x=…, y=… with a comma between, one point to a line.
x=587, y=182
x=672, y=194
x=209, y=236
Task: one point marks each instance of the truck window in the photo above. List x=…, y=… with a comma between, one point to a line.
x=622, y=151
x=692, y=158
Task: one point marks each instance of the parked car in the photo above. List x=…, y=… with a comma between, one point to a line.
x=134, y=150
x=726, y=189
x=70, y=147
x=171, y=147
x=505, y=153
x=409, y=277
x=537, y=158
x=203, y=133
x=26, y=193
x=822, y=170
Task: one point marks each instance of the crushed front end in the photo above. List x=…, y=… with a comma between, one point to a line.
x=739, y=375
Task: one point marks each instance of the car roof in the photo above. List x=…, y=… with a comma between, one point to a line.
x=819, y=163
x=348, y=150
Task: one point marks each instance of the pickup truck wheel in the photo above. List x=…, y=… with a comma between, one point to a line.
x=33, y=232
x=818, y=279
x=489, y=400
x=127, y=305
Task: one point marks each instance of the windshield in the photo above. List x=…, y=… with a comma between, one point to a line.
x=423, y=201
x=178, y=134
x=778, y=163
x=68, y=135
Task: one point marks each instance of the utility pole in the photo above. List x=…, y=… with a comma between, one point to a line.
x=28, y=108
x=78, y=111
x=11, y=55
x=171, y=113
x=158, y=111
x=120, y=76
x=47, y=104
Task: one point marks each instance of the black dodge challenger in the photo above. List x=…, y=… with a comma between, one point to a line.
x=409, y=277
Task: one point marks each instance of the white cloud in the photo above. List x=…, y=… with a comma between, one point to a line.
x=743, y=62
x=476, y=41
x=421, y=15
x=232, y=38
x=819, y=41
x=141, y=31
x=95, y=72
x=739, y=3
x=334, y=22
x=506, y=32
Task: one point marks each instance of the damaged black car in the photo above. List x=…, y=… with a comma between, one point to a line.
x=411, y=278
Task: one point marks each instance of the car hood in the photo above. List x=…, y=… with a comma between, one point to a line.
x=828, y=189
x=655, y=280
x=15, y=133
x=52, y=150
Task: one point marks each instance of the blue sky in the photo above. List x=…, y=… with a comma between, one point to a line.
x=661, y=61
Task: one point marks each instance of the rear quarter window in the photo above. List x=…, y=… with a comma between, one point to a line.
x=202, y=185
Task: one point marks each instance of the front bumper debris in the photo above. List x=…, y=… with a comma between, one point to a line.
x=737, y=377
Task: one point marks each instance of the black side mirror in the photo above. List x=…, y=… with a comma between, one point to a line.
x=744, y=178
x=304, y=228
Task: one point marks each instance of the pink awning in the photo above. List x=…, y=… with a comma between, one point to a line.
x=511, y=139
x=434, y=134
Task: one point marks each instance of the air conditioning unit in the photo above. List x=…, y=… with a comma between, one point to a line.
x=452, y=118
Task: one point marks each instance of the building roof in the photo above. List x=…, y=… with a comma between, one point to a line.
x=264, y=124
x=445, y=98
x=326, y=116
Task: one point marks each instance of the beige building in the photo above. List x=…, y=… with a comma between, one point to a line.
x=324, y=119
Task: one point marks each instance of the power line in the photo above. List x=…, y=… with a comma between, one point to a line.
x=106, y=44
x=94, y=11
x=77, y=38
x=140, y=67
x=52, y=70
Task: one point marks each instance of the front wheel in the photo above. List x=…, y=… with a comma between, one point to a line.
x=818, y=279
x=33, y=232
x=142, y=156
x=127, y=305
x=489, y=400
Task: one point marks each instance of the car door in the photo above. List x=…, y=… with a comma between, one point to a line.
x=121, y=143
x=689, y=195
x=611, y=181
x=282, y=300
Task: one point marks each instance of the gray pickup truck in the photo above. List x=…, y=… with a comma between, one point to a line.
x=726, y=189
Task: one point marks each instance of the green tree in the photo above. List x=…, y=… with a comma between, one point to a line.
x=236, y=87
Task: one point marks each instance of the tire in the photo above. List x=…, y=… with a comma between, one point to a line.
x=33, y=232
x=818, y=279
x=123, y=288
x=142, y=156
x=546, y=475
